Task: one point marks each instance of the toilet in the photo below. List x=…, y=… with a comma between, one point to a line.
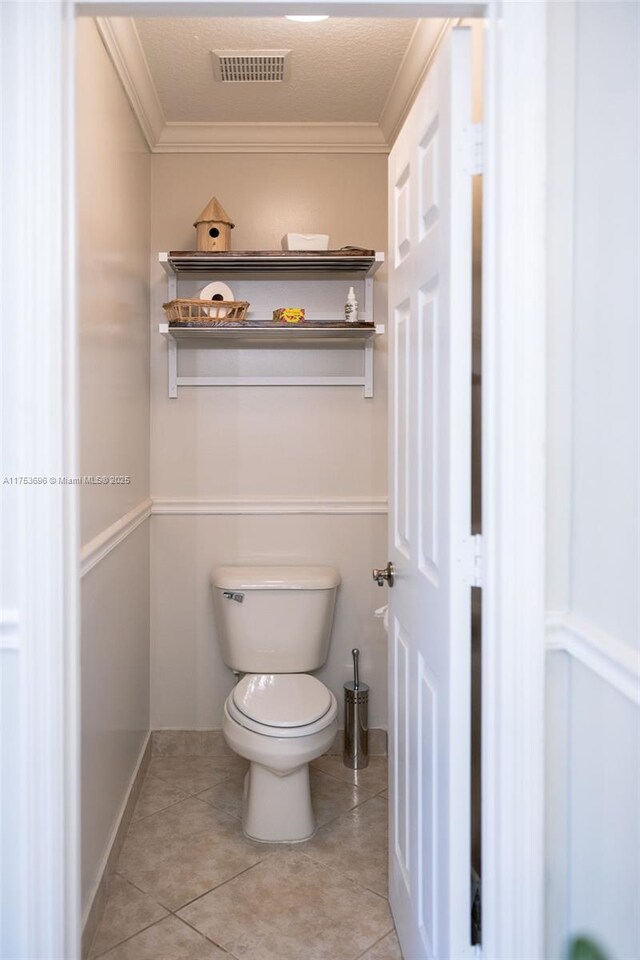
x=274, y=626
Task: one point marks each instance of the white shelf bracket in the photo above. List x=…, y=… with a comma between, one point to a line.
x=172, y=359
x=368, y=369
x=367, y=309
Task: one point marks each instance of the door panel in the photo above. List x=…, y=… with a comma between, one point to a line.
x=430, y=384
x=401, y=502
x=401, y=832
x=427, y=433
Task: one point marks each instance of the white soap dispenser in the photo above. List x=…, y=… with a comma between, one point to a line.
x=351, y=307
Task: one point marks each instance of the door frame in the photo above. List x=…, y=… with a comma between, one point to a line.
x=42, y=88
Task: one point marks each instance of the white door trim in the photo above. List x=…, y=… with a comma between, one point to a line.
x=514, y=317
x=40, y=584
x=41, y=193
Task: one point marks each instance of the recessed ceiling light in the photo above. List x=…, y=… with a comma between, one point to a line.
x=308, y=19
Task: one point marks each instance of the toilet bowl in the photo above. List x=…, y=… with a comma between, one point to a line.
x=274, y=625
x=277, y=805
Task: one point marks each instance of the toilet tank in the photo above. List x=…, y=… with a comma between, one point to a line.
x=274, y=619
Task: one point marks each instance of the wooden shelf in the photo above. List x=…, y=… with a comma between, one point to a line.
x=263, y=264
x=349, y=264
x=347, y=334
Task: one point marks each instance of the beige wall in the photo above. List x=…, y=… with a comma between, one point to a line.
x=250, y=442
x=113, y=308
x=189, y=681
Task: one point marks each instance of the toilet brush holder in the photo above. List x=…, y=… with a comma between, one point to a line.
x=356, y=720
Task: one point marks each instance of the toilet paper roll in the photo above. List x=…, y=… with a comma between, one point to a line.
x=216, y=291
x=382, y=613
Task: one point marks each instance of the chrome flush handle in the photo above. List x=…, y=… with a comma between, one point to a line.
x=387, y=574
x=231, y=595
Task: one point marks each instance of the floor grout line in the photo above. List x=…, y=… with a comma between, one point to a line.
x=161, y=810
x=328, y=825
x=357, y=883
x=210, y=939
x=126, y=939
x=116, y=873
x=371, y=946
x=217, y=887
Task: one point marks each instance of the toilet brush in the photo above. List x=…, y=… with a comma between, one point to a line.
x=356, y=721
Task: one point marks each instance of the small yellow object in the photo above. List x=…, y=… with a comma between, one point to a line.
x=288, y=315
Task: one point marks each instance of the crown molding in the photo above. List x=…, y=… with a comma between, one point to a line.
x=424, y=43
x=271, y=138
x=122, y=42
x=123, y=45
x=120, y=37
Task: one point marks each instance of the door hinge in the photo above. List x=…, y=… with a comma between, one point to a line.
x=476, y=560
x=475, y=156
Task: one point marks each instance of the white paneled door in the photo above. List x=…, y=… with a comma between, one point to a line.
x=431, y=548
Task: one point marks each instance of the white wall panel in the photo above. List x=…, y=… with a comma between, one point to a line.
x=603, y=814
x=189, y=680
x=557, y=712
x=113, y=190
x=606, y=341
x=593, y=673
x=115, y=691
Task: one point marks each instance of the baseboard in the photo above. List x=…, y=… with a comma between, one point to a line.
x=211, y=743
x=99, y=898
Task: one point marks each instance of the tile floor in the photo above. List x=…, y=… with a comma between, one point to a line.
x=190, y=886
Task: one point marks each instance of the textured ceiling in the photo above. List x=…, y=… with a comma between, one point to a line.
x=341, y=69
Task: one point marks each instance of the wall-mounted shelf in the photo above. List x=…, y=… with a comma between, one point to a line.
x=350, y=264
x=263, y=264
x=323, y=335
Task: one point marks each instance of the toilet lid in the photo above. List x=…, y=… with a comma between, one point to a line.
x=281, y=699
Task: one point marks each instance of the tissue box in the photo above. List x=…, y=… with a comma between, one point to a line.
x=305, y=241
x=289, y=315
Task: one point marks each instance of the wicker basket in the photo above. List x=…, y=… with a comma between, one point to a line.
x=206, y=312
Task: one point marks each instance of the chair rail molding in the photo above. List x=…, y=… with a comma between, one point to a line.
x=616, y=663
x=263, y=506
x=108, y=539
x=100, y=546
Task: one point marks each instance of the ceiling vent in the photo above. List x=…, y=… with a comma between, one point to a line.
x=251, y=66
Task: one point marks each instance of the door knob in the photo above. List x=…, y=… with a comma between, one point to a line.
x=386, y=574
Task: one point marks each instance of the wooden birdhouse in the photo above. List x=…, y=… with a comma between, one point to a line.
x=213, y=228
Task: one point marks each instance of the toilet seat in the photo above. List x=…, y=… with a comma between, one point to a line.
x=282, y=705
x=281, y=699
